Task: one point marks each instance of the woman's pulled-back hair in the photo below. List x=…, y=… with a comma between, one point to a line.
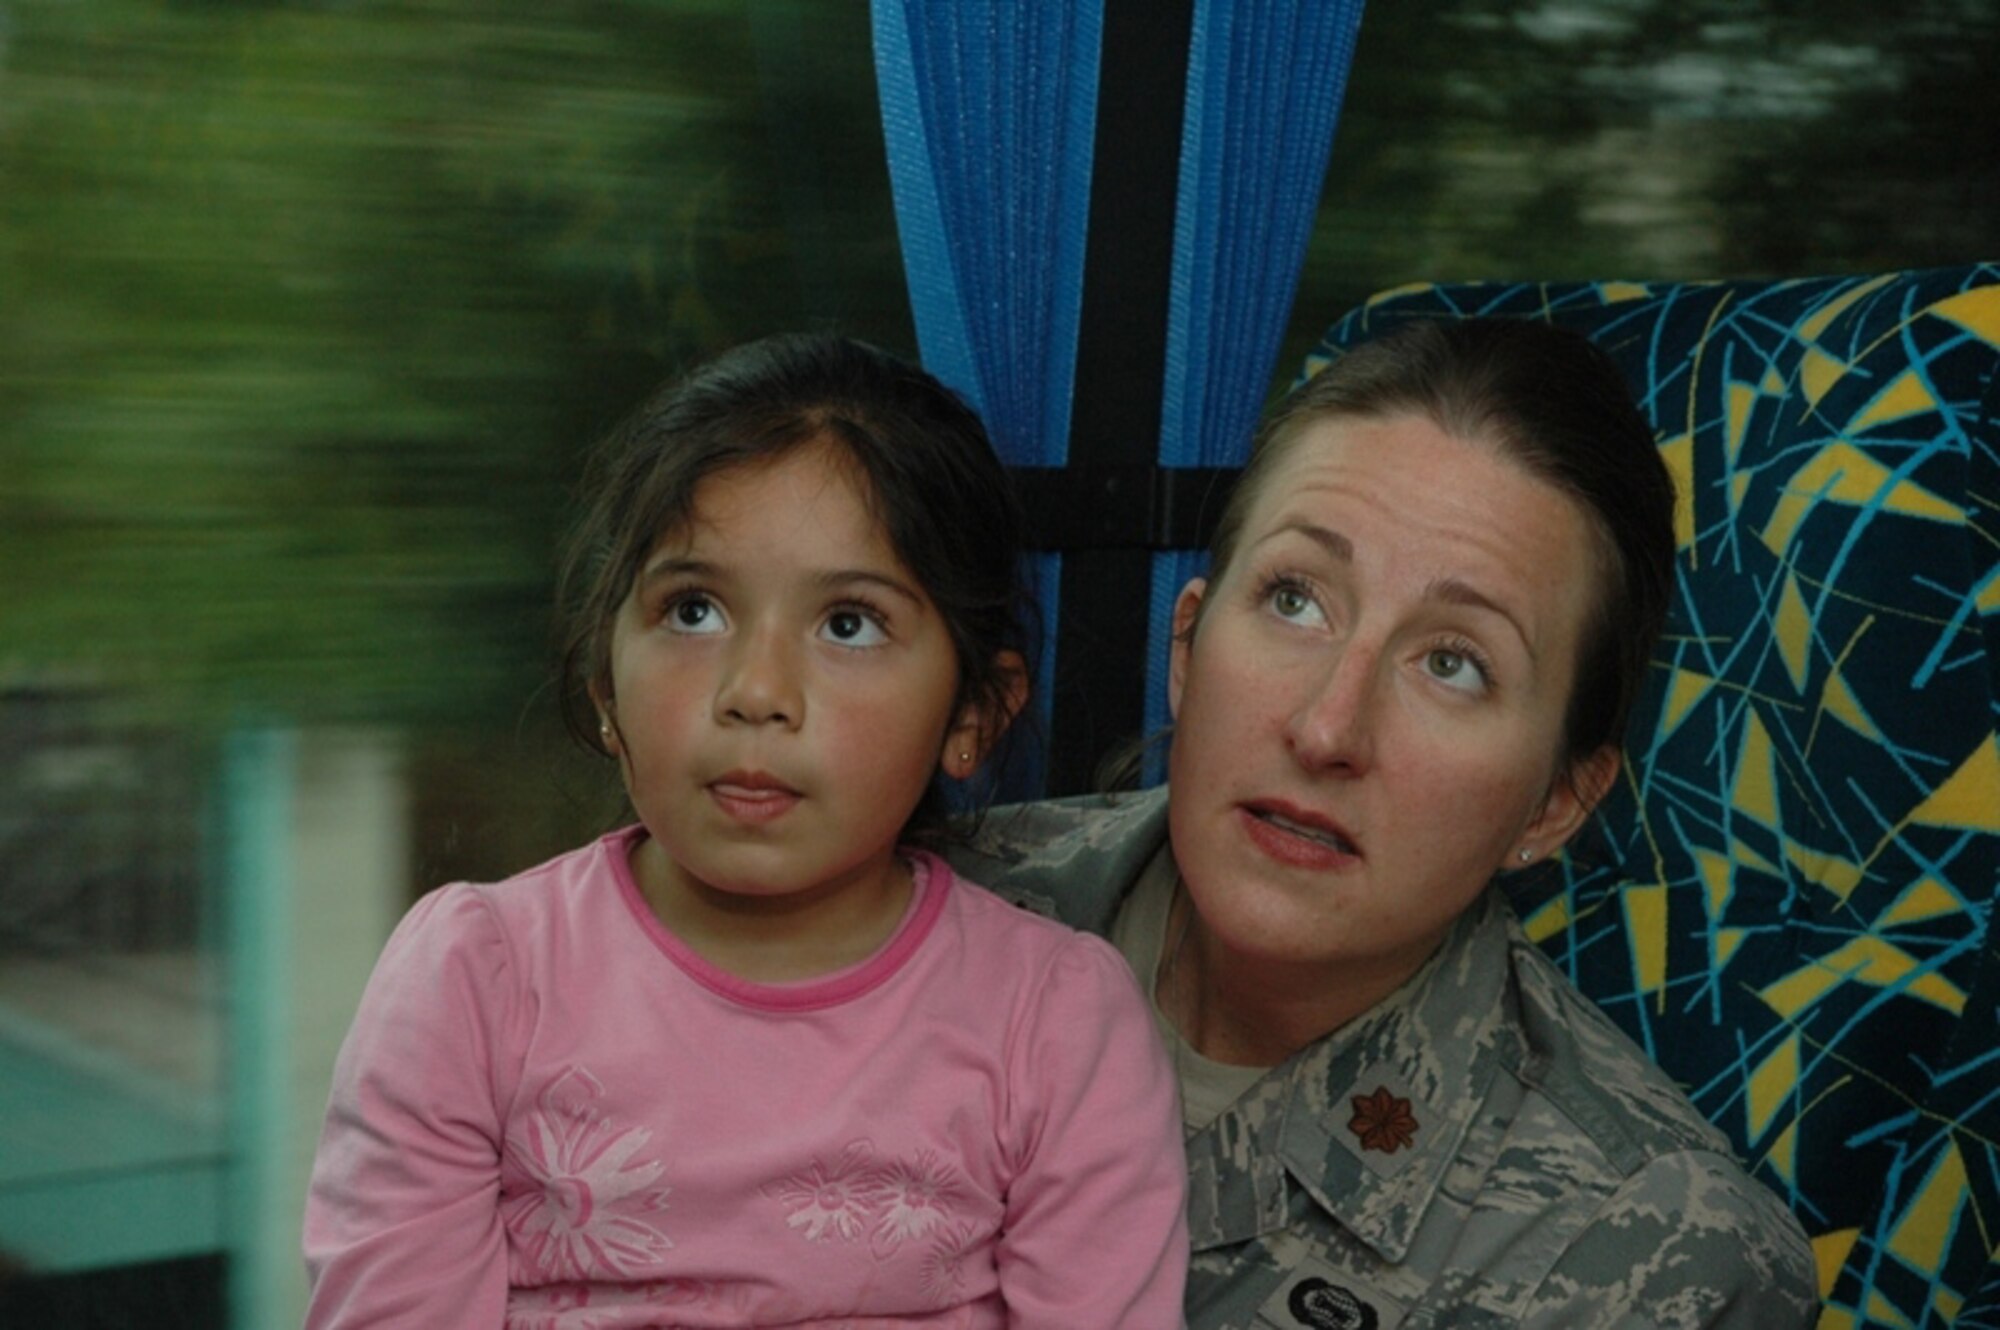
x=932, y=481
x=1555, y=404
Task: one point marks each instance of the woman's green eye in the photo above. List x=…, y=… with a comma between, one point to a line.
x=1292, y=602
x=1455, y=669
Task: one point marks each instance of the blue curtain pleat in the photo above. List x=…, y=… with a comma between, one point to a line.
x=1265, y=84
x=989, y=114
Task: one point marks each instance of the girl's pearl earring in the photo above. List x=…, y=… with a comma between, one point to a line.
x=1526, y=855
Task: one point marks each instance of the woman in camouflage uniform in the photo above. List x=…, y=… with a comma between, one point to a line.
x=1431, y=600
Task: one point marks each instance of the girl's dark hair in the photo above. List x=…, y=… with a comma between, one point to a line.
x=933, y=481
x=1554, y=403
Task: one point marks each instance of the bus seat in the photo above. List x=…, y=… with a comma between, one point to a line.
x=1788, y=900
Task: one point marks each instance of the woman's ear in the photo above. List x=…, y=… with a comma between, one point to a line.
x=980, y=723
x=1571, y=800
x=1187, y=609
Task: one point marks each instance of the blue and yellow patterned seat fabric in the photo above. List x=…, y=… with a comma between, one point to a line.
x=1788, y=900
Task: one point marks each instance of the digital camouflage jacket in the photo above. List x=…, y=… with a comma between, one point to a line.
x=1484, y=1148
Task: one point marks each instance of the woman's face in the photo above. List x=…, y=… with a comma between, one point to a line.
x=1369, y=711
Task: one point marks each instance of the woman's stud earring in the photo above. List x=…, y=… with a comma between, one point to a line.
x=604, y=728
x=1526, y=855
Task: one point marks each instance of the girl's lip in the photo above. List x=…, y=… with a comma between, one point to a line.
x=751, y=782
x=1298, y=837
x=753, y=796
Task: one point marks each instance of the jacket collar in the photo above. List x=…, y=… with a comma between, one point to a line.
x=1368, y=1120
x=1436, y=1043
x=1072, y=859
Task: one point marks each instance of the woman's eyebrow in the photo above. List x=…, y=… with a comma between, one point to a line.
x=1449, y=590
x=1336, y=545
x=1452, y=591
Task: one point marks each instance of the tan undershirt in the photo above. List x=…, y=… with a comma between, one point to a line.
x=1140, y=934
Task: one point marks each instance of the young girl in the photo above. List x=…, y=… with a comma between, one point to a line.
x=760, y=1059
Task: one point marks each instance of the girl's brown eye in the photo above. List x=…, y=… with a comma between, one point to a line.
x=854, y=628
x=694, y=614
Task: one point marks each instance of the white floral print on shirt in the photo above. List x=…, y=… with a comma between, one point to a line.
x=894, y=1201
x=944, y=1264
x=582, y=1218
x=914, y=1200
x=831, y=1201
x=917, y=1196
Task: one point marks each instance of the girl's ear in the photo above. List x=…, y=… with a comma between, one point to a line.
x=979, y=725
x=607, y=722
x=1576, y=793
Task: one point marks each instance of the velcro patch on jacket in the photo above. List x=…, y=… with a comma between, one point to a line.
x=1318, y=1297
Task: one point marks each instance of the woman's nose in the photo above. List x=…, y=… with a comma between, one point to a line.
x=1333, y=727
x=760, y=682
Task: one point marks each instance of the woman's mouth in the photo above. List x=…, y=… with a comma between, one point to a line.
x=1298, y=838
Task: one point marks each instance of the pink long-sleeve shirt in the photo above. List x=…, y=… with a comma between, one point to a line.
x=551, y=1113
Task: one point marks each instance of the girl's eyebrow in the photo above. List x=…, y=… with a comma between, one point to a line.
x=661, y=569
x=840, y=578
x=833, y=579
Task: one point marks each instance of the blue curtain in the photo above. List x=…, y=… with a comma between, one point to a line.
x=989, y=112
x=989, y=109
x=1265, y=84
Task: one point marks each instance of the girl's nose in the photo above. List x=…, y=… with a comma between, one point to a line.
x=1332, y=729
x=760, y=683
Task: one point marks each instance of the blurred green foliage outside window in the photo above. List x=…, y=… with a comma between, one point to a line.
x=307, y=309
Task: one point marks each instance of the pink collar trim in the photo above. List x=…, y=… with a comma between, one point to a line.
x=930, y=884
